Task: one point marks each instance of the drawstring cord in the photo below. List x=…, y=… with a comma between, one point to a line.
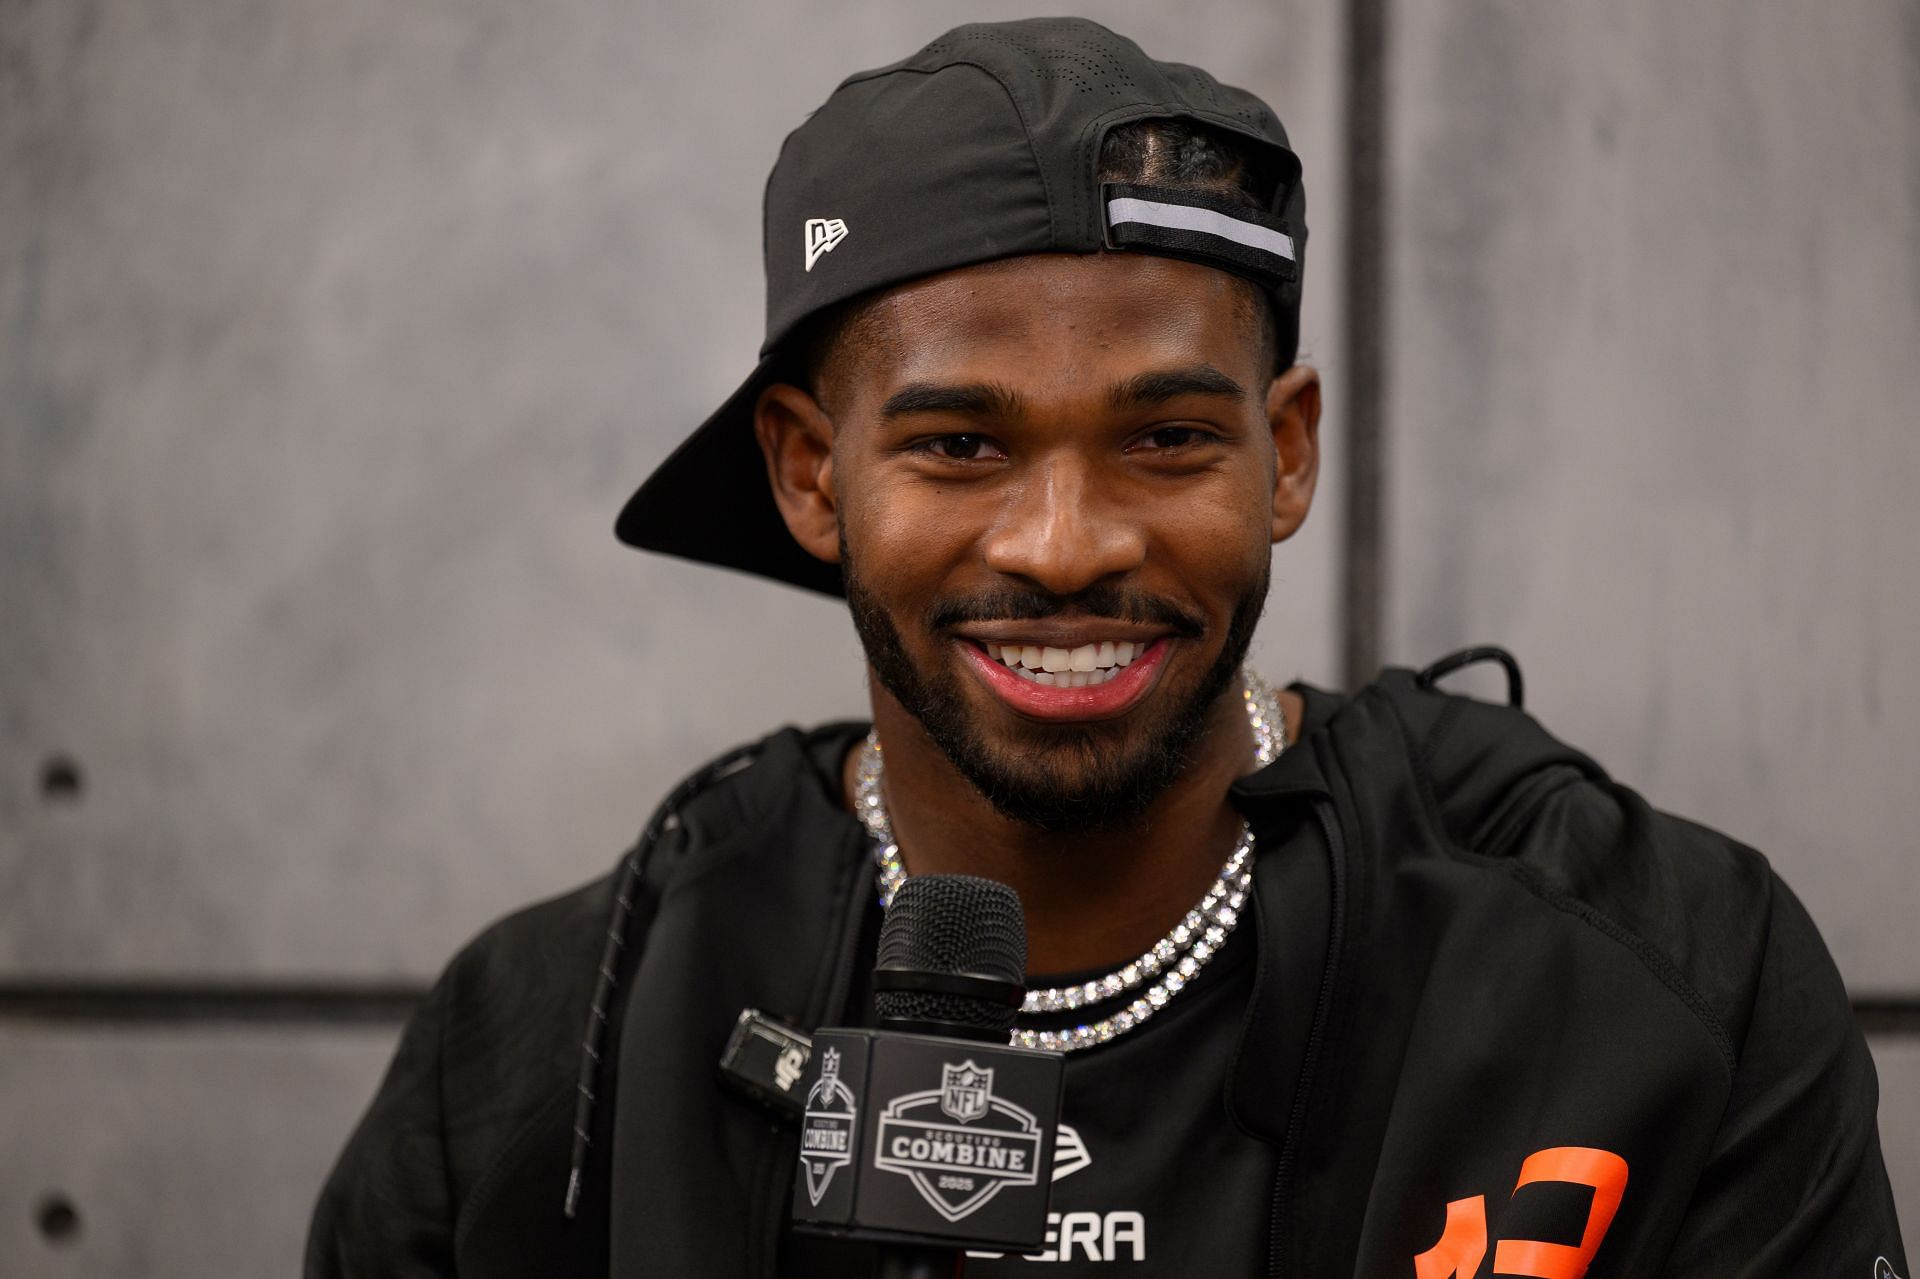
x=666, y=818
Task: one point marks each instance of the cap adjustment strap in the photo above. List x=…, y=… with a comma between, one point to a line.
x=1201, y=228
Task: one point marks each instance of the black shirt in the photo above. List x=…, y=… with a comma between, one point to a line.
x=1152, y=1176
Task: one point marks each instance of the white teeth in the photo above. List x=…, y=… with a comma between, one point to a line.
x=1068, y=679
x=1081, y=667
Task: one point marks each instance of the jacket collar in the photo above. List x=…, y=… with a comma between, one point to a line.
x=1297, y=772
x=1294, y=901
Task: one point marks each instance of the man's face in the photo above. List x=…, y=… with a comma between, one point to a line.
x=1052, y=461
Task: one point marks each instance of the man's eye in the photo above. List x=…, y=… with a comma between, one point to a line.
x=960, y=448
x=1169, y=438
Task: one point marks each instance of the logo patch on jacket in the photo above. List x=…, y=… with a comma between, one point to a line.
x=1463, y=1239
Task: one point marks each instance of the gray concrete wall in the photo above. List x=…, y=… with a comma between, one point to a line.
x=172, y=1153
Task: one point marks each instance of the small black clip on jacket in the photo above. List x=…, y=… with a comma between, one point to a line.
x=1516, y=691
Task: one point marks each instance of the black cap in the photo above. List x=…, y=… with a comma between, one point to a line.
x=983, y=145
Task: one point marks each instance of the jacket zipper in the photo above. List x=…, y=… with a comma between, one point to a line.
x=1278, y=1236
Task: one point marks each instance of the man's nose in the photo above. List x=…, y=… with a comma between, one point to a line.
x=1063, y=531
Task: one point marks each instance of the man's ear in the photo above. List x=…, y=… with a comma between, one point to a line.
x=1293, y=414
x=796, y=439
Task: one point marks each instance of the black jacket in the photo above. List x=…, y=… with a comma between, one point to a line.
x=1480, y=964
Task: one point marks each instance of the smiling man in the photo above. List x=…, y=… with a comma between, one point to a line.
x=1390, y=984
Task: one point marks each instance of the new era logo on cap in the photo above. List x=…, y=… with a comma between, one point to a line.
x=822, y=235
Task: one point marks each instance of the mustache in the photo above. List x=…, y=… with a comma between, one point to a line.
x=1109, y=602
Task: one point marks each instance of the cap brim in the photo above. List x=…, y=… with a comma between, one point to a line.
x=710, y=500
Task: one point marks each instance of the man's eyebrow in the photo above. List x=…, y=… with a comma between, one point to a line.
x=1148, y=389
x=977, y=399
x=990, y=400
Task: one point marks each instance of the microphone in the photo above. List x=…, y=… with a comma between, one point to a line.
x=931, y=1135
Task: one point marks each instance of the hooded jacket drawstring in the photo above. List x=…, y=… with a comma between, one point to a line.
x=665, y=818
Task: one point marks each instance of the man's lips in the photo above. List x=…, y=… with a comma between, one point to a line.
x=1113, y=694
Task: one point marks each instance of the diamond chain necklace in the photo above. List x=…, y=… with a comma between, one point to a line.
x=1175, y=960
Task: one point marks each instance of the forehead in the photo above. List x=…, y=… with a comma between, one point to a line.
x=1060, y=312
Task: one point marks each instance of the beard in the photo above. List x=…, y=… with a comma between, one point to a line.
x=1057, y=778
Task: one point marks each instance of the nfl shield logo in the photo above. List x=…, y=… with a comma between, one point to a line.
x=964, y=1091
x=958, y=1168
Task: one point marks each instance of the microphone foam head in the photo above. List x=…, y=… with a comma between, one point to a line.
x=953, y=924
